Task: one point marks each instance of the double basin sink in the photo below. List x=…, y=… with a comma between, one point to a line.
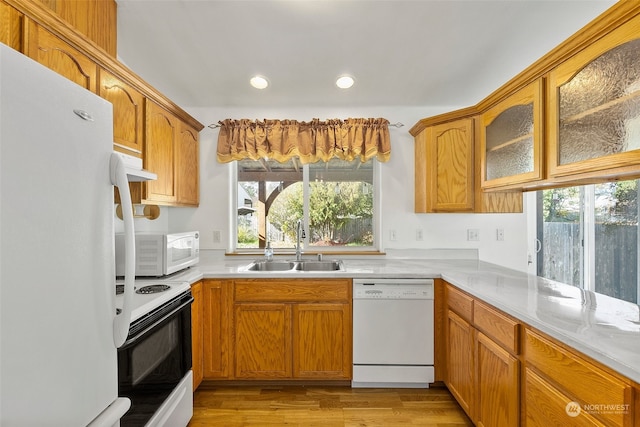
x=303, y=265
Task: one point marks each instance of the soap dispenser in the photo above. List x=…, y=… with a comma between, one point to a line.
x=268, y=252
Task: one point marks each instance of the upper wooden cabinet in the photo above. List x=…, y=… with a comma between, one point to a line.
x=172, y=152
x=447, y=168
x=128, y=106
x=444, y=167
x=77, y=40
x=97, y=20
x=594, y=106
x=161, y=131
x=187, y=165
x=61, y=57
x=511, y=139
x=571, y=118
x=11, y=22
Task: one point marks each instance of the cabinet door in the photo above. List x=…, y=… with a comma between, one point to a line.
x=546, y=406
x=216, y=303
x=511, y=139
x=497, y=385
x=97, y=20
x=127, y=113
x=11, y=22
x=196, y=334
x=159, y=154
x=460, y=361
x=449, y=157
x=594, y=107
x=262, y=341
x=322, y=341
x=61, y=57
x=187, y=162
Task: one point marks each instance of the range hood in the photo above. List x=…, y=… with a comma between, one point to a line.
x=135, y=172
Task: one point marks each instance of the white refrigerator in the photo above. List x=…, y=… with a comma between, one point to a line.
x=59, y=331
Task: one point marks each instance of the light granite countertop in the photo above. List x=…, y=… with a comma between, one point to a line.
x=604, y=328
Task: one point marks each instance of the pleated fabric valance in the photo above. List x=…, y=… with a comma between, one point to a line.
x=309, y=141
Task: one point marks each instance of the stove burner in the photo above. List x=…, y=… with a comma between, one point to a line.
x=153, y=289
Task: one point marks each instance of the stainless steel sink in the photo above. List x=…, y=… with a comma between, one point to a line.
x=312, y=265
x=304, y=265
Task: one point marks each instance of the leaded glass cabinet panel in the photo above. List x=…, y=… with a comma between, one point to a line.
x=595, y=107
x=511, y=139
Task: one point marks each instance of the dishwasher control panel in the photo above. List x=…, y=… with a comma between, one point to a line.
x=393, y=289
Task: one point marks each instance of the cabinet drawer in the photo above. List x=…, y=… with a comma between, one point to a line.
x=583, y=381
x=497, y=326
x=277, y=290
x=546, y=406
x=460, y=302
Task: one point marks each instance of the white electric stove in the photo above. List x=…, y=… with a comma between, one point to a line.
x=154, y=363
x=150, y=294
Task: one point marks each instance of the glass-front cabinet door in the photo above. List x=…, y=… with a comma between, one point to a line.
x=594, y=107
x=511, y=139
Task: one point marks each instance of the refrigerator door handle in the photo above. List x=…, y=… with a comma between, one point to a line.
x=122, y=321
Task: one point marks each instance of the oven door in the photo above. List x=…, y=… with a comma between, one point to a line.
x=155, y=358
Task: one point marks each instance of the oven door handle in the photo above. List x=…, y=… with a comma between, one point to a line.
x=138, y=336
x=122, y=321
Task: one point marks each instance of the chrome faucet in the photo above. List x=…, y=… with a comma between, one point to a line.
x=299, y=235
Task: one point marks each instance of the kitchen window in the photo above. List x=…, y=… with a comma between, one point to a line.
x=337, y=200
x=587, y=236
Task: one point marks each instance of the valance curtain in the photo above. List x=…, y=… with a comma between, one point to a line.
x=309, y=141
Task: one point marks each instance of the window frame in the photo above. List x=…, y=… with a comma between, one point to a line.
x=375, y=248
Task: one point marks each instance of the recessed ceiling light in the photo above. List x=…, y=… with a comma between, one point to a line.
x=259, y=82
x=344, y=82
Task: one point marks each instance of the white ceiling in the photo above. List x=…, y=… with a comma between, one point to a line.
x=201, y=53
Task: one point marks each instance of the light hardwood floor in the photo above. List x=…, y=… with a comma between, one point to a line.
x=325, y=406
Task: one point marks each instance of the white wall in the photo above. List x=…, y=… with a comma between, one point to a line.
x=440, y=230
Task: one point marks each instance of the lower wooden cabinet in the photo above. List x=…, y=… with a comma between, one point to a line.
x=573, y=382
x=216, y=327
x=505, y=373
x=482, y=371
x=498, y=385
x=322, y=341
x=196, y=334
x=276, y=329
x=262, y=341
x=548, y=407
x=460, y=361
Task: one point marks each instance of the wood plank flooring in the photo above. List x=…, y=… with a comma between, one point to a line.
x=232, y=406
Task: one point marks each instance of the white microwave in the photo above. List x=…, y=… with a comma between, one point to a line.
x=160, y=254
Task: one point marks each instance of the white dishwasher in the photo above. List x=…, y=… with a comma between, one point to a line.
x=393, y=333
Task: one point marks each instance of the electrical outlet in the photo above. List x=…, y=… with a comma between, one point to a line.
x=500, y=234
x=392, y=235
x=419, y=235
x=216, y=236
x=473, y=234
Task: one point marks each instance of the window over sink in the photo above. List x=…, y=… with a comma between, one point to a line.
x=337, y=200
